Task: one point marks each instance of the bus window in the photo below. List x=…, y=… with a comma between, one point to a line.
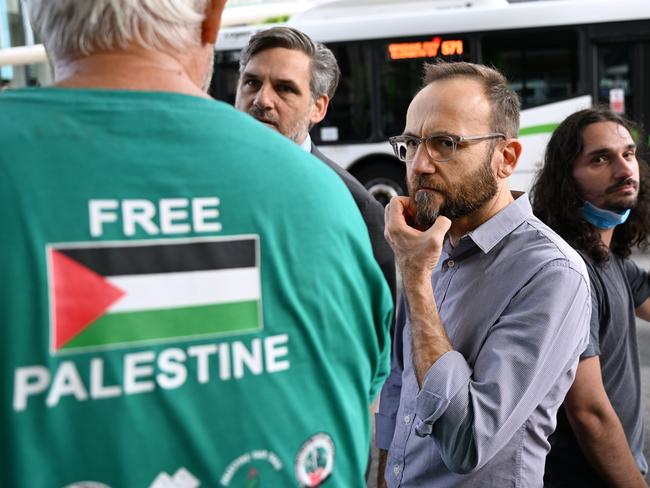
x=400, y=68
x=226, y=75
x=348, y=117
x=615, y=75
x=542, y=67
x=399, y=80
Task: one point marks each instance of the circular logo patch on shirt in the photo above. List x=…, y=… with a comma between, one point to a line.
x=315, y=460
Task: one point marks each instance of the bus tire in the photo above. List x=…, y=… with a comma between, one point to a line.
x=383, y=179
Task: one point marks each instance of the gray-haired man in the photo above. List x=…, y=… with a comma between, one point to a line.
x=286, y=82
x=161, y=322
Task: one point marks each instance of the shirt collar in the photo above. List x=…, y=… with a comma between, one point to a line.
x=306, y=144
x=490, y=233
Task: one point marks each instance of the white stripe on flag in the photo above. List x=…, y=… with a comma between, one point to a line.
x=174, y=290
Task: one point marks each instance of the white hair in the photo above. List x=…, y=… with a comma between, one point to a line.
x=70, y=28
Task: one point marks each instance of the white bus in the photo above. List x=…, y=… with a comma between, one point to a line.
x=559, y=56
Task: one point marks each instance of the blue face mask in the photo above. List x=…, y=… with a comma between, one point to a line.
x=603, y=219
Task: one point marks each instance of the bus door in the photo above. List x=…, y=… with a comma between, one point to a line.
x=620, y=70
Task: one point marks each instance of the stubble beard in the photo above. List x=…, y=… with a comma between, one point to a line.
x=296, y=132
x=299, y=130
x=622, y=206
x=453, y=202
x=622, y=203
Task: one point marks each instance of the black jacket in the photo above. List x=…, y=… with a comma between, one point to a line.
x=373, y=215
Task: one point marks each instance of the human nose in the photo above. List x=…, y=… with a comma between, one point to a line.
x=264, y=97
x=624, y=168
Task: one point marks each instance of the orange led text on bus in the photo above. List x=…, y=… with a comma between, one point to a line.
x=425, y=49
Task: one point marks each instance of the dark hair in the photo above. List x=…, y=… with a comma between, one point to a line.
x=325, y=73
x=504, y=101
x=555, y=198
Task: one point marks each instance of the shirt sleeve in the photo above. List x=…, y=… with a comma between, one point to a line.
x=638, y=280
x=392, y=390
x=384, y=359
x=599, y=312
x=472, y=412
x=593, y=348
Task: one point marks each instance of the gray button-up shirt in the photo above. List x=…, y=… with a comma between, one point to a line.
x=514, y=301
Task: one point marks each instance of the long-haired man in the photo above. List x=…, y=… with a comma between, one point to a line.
x=594, y=192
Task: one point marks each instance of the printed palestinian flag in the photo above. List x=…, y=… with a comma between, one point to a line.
x=126, y=293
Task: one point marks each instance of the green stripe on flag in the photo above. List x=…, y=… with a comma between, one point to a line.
x=537, y=129
x=167, y=324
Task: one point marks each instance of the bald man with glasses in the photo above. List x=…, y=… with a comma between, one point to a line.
x=496, y=306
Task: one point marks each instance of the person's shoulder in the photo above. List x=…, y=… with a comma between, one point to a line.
x=545, y=247
x=350, y=181
x=17, y=99
x=25, y=111
x=364, y=199
x=295, y=177
x=630, y=266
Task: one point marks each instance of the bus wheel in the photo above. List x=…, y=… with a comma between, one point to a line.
x=384, y=180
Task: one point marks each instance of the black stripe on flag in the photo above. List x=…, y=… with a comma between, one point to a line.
x=166, y=258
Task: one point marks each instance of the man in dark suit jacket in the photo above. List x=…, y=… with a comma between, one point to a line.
x=286, y=81
x=373, y=215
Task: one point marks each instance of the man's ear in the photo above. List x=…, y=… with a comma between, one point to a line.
x=212, y=22
x=510, y=152
x=320, y=109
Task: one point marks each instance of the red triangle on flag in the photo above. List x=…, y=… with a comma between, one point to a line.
x=81, y=296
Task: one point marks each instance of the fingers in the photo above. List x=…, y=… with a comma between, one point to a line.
x=396, y=207
x=399, y=209
x=416, y=252
x=439, y=228
x=399, y=212
x=395, y=215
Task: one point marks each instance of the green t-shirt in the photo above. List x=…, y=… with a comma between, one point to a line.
x=187, y=298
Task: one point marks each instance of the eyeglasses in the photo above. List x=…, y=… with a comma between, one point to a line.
x=440, y=147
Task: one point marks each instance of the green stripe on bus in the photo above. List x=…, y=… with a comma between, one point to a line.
x=537, y=129
x=168, y=324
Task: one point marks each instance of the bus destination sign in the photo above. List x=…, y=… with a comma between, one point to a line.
x=425, y=49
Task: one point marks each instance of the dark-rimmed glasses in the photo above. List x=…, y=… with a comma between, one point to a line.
x=440, y=147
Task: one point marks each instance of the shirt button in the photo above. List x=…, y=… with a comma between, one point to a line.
x=396, y=469
x=407, y=419
x=450, y=263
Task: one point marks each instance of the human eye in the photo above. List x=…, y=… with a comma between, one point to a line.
x=410, y=142
x=251, y=83
x=444, y=141
x=629, y=155
x=599, y=160
x=286, y=88
x=441, y=144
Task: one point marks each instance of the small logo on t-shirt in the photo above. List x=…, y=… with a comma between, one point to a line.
x=315, y=460
x=182, y=478
x=248, y=469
